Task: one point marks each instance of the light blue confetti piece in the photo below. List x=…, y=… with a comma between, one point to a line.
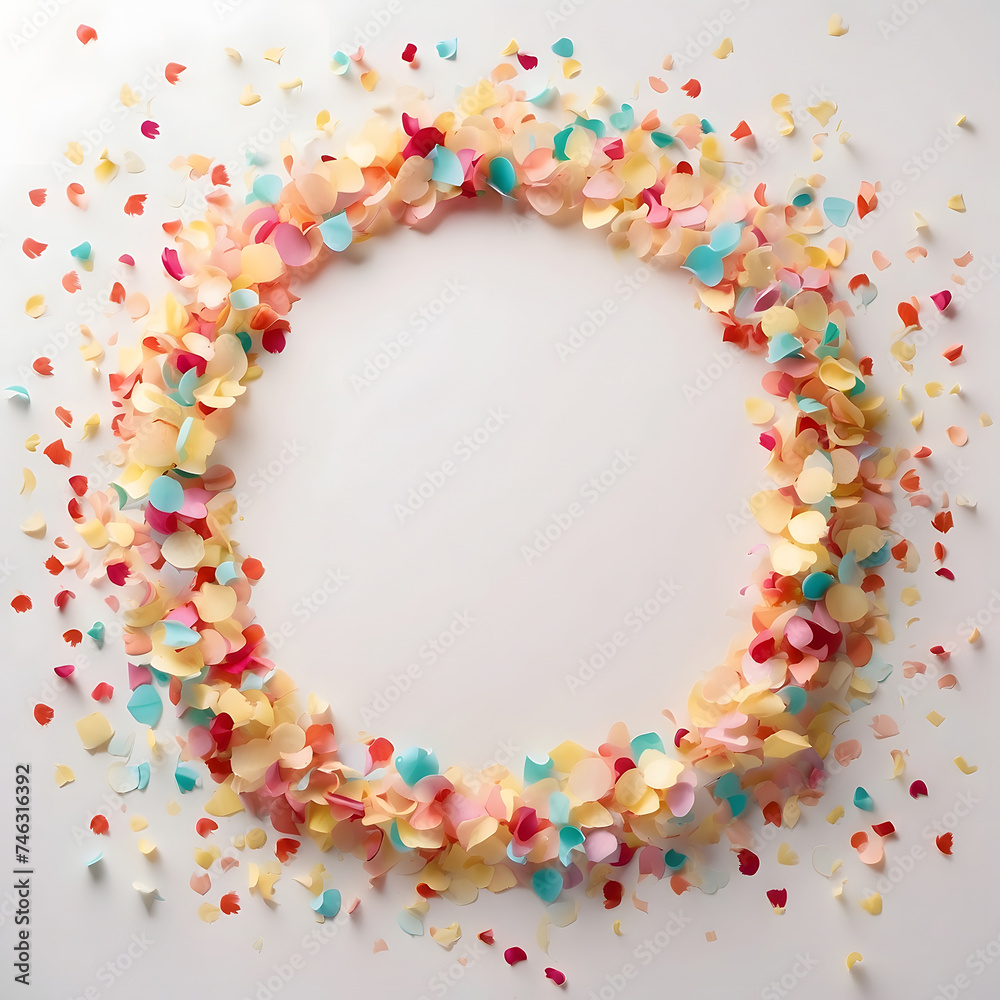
x=794, y=697
x=410, y=924
x=569, y=838
x=121, y=744
x=863, y=800
x=558, y=808
x=327, y=903
x=226, y=572
x=646, y=741
x=563, y=47
x=177, y=635
x=415, y=763
x=674, y=860
x=809, y=405
x=267, y=188
x=547, y=884
x=341, y=62
x=514, y=857
x=82, y=252
x=395, y=838
x=94, y=858
x=815, y=585
x=879, y=558
x=712, y=881
x=182, y=436
x=622, y=120
x=847, y=571
x=166, y=494
x=143, y=770
x=252, y=682
x=501, y=174
x=448, y=48
x=244, y=298
x=186, y=777
x=254, y=158
x=559, y=141
x=784, y=345
x=595, y=125
x=706, y=265
x=447, y=167
x=96, y=632
x=145, y=705
x=536, y=770
x=661, y=139
x=543, y=97
x=838, y=210
x=19, y=391
x=706, y=126
x=336, y=232
x=726, y=237
x=189, y=381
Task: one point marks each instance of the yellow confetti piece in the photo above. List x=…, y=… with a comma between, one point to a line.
x=786, y=856
x=233, y=54
x=28, y=484
x=933, y=389
x=724, y=49
x=823, y=111
x=872, y=904
x=965, y=767
x=571, y=68
x=74, y=153
x=31, y=443
x=146, y=847
x=90, y=426
x=759, y=411
x=173, y=808
x=369, y=80
x=781, y=105
x=898, y=763
x=296, y=82
x=94, y=730
x=256, y=838
x=917, y=421
x=34, y=525
x=248, y=97
x=853, y=959
x=447, y=936
x=835, y=26
x=35, y=306
x=137, y=823
x=956, y=203
x=909, y=596
x=209, y=912
x=274, y=55
x=935, y=718
x=511, y=48
x=617, y=927
x=64, y=775
x=960, y=120
x=834, y=814
x=224, y=802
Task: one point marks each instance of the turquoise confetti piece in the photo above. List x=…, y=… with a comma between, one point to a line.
x=166, y=494
x=706, y=126
x=336, y=232
x=536, y=770
x=395, y=839
x=563, y=47
x=559, y=141
x=182, y=436
x=674, y=860
x=784, y=345
x=646, y=741
x=501, y=174
x=815, y=585
x=226, y=572
x=706, y=265
x=341, y=62
x=622, y=120
x=96, y=632
x=737, y=803
x=448, y=48
x=838, y=210
x=802, y=199
x=177, y=635
x=547, y=884
x=661, y=139
x=327, y=903
x=94, y=859
x=244, y=298
x=186, y=777
x=863, y=800
x=558, y=808
x=795, y=698
x=848, y=568
x=122, y=496
x=145, y=705
x=727, y=786
x=245, y=340
x=189, y=381
x=594, y=124
x=415, y=763
x=543, y=97
x=82, y=252
x=267, y=188
x=879, y=558
x=569, y=837
x=726, y=237
x=447, y=167
x=18, y=391
x=143, y=770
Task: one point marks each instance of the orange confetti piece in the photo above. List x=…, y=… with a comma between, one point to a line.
x=692, y=88
x=77, y=195
x=57, y=453
x=86, y=34
x=32, y=248
x=230, y=903
x=135, y=204
x=71, y=282
x=64, y=415
x=21, y=603
x=43, y=714
x=37, y=196
x=742, y=131
x=173, y=72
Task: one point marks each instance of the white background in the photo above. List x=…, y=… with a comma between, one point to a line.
x=676, y=515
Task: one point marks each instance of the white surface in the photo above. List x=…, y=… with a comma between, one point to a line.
x=674, y=515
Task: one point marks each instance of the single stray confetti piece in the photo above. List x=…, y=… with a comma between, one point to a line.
x=944, y=842
x=448, y=936
x=863, y=800
x=410, y=923
x=724, y=49
x=448, y=48
x=35, y=306
x=379, y=945
x=274, y=55
x=871, y=904
x=173, y=71
x=836, y=813
x=43, y=714
x=249, y=98
x=94, y=730
x=853, y=959
x=327, y=903
x=956, y=203
x=835, y=26
x=759, y=411
x=935, y=718
x=514, y=955
x=64, y=775
x=918, y=788
x=85, y=33
x=34, y=525
x=559, y=978
x=964, y=767
x=884, y=727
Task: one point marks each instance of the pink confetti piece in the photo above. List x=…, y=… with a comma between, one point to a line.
x=514, y=955
x=918, y=788
x=149, y=129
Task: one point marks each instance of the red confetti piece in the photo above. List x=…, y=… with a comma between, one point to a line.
x=526, y=61
x=74, y=636
x=749, y=862
x=54, y=566
x=71, y=282
x=42, y=366
x=220, y=175
x=64, y=415
x=128, y=259
x=99, y=824
x=424, y=890
x=172, y=263
x=78, y=484
x=679, y=735
x=777, y=898
x=86, y=33
x=953, y=353
x=286, y=848
x=514, y=955
x=883, y=829
x=943, y=521
x=486, y=936
x=117, y=295
x=772, y=813
x=21, y=603
x=66, y=670
x=908, y=314
x=32, y=248
x=173, y=72
x=37, y=196
x=118, y=573
x=612, y=894
x=58, y=454
x=866, y=205
x=63, y=598
x=149, y=129
x=253, y=569
x=692, y=88
x=944, y=843
x=918, y=788
x=409, y=52
x=103, y=692
x=939, y=552
x=206, y=826
x=941, y=299
x=136, y=204
x=910, y=481
x=923, y=452
x=945, y=572
x=559, y=978
x=43, y=714
x=742, y=131
x=230, y=903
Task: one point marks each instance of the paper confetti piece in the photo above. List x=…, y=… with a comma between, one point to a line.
x=965, y=768
x=448, y=48
x=514, y=955
x=835, y=26
x=64, y=775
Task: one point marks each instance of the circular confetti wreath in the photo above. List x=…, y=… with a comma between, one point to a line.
x=760, y=724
